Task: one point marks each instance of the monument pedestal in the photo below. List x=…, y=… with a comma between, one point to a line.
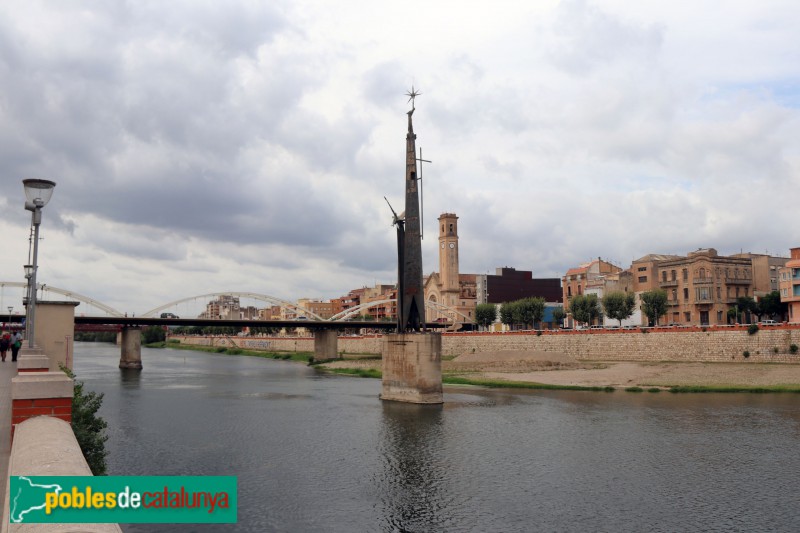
x=412, y=368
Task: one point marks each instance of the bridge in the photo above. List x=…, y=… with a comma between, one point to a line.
x=129, y=327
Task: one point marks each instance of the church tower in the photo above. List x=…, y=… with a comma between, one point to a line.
x=448, y=258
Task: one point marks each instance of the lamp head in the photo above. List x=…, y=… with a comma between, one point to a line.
x=37, y=192
x=28, y=271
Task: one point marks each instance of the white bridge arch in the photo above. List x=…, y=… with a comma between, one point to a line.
x=253, y=295
x=353, y=311
x=64, y=292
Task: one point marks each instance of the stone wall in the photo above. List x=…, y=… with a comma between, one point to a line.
x=692, y=344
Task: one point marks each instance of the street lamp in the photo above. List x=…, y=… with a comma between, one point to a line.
x=37, y=193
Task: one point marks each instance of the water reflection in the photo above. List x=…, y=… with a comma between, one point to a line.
x=410, y=481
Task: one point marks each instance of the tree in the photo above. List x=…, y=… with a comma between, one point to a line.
x=745, y=305
x=558, y=316
x=770, y=304
x=584, y=308
x=485, y=314
x=654, y=305
x=507, y=313
x=619, y=305
x=89, y=428
x=153, y=334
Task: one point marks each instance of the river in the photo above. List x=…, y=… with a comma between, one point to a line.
x=316, y=452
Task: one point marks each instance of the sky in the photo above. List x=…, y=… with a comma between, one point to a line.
x=205, y=146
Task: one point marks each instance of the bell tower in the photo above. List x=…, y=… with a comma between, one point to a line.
x=448, y=257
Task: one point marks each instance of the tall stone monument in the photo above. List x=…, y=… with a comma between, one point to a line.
x=412, y=357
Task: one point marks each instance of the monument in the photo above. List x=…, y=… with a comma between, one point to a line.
x=412, y=357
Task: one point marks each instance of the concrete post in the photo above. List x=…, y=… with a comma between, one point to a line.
x=131, y=348
x=325, y=344
x=412, y=368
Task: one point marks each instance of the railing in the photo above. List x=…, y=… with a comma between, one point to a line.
x=668, y=283
x=703, y=281
x=738, y=281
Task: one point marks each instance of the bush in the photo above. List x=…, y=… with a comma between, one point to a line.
x=746, y=354
x=752, y=329
x=793, y=348
x=89, y=428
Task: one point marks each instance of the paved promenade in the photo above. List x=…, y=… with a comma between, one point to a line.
x=8, y=370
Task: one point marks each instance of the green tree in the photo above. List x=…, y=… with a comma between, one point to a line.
x=584, y=308
x=745, y=305
x=485, y=314
x=263, y=331
x=89, y=428
x=654, y=305
x=507, y=313
x=153, y=334
x=770, y=305
x=558, y=316
x=531, y=311
x=619, y=305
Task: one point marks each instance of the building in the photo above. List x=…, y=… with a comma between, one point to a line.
x=509, y=284
x=765, y=271
x=452, y=293
x=644, y=271
x=704, y=285
x=789, y=285
x=225, y=307
x=576, y=280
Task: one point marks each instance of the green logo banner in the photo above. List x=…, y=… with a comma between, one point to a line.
x=122, y=499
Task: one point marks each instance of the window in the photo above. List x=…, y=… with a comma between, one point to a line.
x=737, y=292
x=703, y=293
x=674, y=276
x=642, y=269
x=569, y=292
x=702, y=273
x=719, y=293
x=642, y=279
x=686, y=293
x=685, y=274
x=674, y=295
x=687, y=316
x=664, y=276
x=784, y=293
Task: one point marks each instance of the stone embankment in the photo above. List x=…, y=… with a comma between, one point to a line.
x=770, y=344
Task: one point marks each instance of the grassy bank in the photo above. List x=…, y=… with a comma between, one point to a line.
x=754, y=389
x=304, y=357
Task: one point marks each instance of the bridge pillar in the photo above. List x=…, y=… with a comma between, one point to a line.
x=325, y=344
x=412, y=368
x=131, y=348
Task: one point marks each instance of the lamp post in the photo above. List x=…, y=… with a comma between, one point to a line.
x=37, y=194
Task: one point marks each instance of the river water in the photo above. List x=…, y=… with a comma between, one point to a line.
x=316, y=452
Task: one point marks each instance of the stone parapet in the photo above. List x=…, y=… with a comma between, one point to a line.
x=46, y=446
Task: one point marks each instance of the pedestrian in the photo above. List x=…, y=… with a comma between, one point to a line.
x=16, y=344
x=4, y=344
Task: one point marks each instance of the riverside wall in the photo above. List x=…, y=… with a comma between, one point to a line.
x=770, y=344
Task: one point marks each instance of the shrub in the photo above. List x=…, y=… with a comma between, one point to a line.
x=746, y=354
x=653, y=389
x=752, y=329
x=221, y=349
x=634, y=389
x=793, y=348
x=89, y=428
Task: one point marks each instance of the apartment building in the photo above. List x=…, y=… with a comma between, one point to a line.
x=578, y=279
x=702, y=286
x=789, y=285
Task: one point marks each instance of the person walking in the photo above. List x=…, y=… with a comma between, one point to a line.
x=16, y=344
x=4, y=344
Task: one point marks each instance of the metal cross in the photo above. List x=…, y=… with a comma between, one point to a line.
x=412, y=94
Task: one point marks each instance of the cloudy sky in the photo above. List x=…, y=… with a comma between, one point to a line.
x=207, y=146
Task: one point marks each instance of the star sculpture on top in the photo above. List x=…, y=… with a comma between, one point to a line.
x=411, y=95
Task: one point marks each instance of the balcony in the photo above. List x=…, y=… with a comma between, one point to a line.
x=670, y=283
x=673, y=302
x=738, y=281
x=703, y=281
x=703, y=300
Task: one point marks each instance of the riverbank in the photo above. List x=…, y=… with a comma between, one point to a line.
x=546, y=370
x=517, y=368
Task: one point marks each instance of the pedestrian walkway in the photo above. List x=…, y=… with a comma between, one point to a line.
x=8, y=370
